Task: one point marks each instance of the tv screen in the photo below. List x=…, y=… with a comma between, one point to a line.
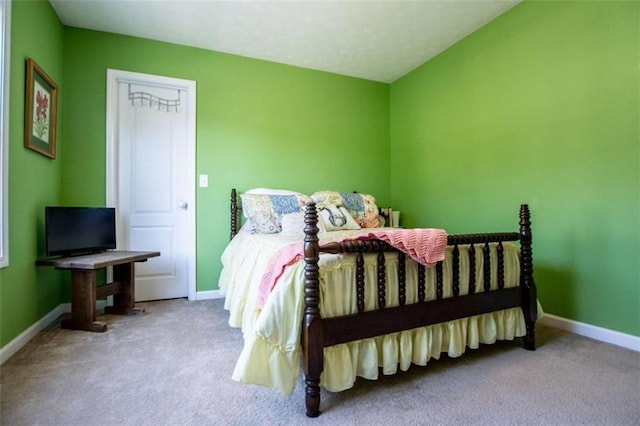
x=78, y=230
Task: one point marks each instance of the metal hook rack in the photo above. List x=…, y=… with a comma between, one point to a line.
x=152, y=100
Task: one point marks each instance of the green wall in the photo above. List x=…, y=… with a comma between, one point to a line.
x=540, y=106
x=28, y=293
x=253, y=117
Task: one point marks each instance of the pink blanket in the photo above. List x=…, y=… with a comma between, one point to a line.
x=285, y=256
x=425, y=246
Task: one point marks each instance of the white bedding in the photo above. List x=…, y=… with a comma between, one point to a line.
x=271, y=353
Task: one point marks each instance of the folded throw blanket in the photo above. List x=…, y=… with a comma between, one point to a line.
x=424, y=245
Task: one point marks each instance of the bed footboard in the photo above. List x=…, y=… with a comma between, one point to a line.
x=319, y=332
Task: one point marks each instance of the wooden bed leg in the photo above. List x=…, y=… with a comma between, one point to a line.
x=312, y=328
x=312, y=397
x=529, y=299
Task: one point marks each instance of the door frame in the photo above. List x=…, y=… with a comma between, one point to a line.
x=114, y=78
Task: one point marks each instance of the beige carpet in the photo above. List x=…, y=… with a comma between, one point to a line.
x=172, y=366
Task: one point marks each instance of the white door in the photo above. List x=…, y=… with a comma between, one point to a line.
x=151, y=161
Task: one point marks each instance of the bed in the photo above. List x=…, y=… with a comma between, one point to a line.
x=351, y=304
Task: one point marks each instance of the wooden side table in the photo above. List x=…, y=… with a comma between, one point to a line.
x=84, y=291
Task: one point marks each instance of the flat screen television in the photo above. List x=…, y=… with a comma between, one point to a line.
x=79, y=230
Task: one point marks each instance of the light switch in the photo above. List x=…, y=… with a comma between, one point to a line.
x=204, y=181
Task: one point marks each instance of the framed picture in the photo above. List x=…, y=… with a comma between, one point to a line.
x=41, y=110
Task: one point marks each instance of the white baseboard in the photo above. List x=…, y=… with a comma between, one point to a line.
x=16, y=344
x=594, y=332
x=208, y=295
x=8, y=350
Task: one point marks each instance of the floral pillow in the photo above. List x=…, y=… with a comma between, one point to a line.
x=362, y=207
x=327, y=198
x=265, y=211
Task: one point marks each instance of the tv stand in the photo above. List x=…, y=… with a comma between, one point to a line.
x=84, y=291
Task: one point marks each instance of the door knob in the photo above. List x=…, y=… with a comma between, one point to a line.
x=183, y=205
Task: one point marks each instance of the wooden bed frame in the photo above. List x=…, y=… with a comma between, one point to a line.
x=318, y=332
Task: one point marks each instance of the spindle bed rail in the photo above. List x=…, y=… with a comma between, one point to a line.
x=319, y=332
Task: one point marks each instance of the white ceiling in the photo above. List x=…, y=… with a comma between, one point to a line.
x=377, y=40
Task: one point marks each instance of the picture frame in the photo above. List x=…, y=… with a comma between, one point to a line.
x=41, y=111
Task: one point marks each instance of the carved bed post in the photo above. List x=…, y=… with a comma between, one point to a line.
x=529, y=295
x=312, y=328
x=234, y=214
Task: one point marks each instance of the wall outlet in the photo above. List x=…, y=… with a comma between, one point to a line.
x=204, y=181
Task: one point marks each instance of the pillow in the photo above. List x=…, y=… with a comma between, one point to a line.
x=293, y=224
x=336, y=219
x=265, y=212
x=268, y=191
x=362, y=207
x=327, y=198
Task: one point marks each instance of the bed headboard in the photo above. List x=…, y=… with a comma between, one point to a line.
x=235, y=209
